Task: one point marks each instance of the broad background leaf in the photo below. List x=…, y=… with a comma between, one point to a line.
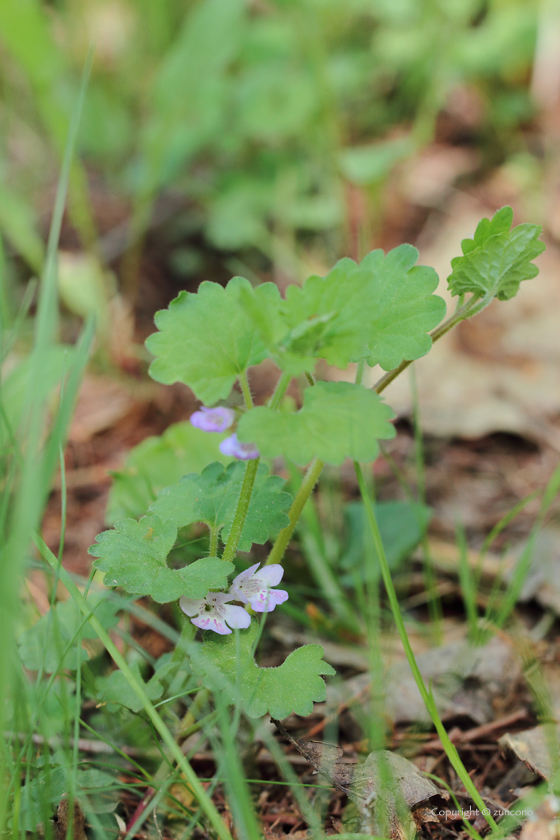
x=116, y=689
x=402, y=526
x=46, y=641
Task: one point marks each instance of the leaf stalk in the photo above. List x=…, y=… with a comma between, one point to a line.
x=241, y=510
x=461, y=314
x=306, y=487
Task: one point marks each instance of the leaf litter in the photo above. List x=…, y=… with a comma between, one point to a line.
x=384, y=788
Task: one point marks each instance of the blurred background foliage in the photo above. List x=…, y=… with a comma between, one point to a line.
x=248, y=128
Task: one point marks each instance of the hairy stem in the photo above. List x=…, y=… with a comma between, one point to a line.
x=279, y=391
x=213, y=550
x=241, y=510
x=245, y=390
x=427, y=697
x=246, y=488
x=307, y=485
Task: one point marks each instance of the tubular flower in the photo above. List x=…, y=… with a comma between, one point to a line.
x=215, y=613
x=254, y=587
x=234, y=448
x=213, y=419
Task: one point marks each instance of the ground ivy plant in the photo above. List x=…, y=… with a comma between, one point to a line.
x=382, y=311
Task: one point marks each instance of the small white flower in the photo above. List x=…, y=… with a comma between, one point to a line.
x=215, y=613
x=254, y=587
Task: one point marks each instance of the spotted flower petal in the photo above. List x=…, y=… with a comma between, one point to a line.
x=215, y=613
x=213, y=419
x=255, y=588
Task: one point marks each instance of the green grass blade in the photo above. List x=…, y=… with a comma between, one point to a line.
x=32, y=487
x=201, y=795
x=427, y=697
x=516, y=584
x=467, y=581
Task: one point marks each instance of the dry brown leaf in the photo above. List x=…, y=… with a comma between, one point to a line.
x=62, y=820
x=383, y=789
x=102, y=402
x=543, y=579
x=465, y=682
x=537, y=747
x=428, y=177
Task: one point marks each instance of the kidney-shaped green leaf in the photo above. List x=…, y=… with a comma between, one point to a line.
x=205, y=340
x=226, y=664
x=133, y=556
x=381, y=310
x=338, y=420
x=403, y=306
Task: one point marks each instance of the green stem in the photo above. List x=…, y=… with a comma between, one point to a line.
x=360, y=371
x=434, y=602
x=427, y=697
x=302, y=495
x=241, y=510
x=199, y=724
x=213, y=551
x=279, y=391
x=251, y=469
x=189, y=719
x=246, y=489
x=245, y=390
x=166, y=736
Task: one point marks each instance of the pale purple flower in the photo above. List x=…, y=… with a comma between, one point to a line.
x=234, y=448
x=215, y=613
x=213, y=419
x=254, y=587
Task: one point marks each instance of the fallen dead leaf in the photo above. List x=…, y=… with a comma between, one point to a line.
x=428, y=177
x=543, y=579
x=383, y=789
x=62, y=819
x=537, y=747
x=102, y=402
x=465, y=681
